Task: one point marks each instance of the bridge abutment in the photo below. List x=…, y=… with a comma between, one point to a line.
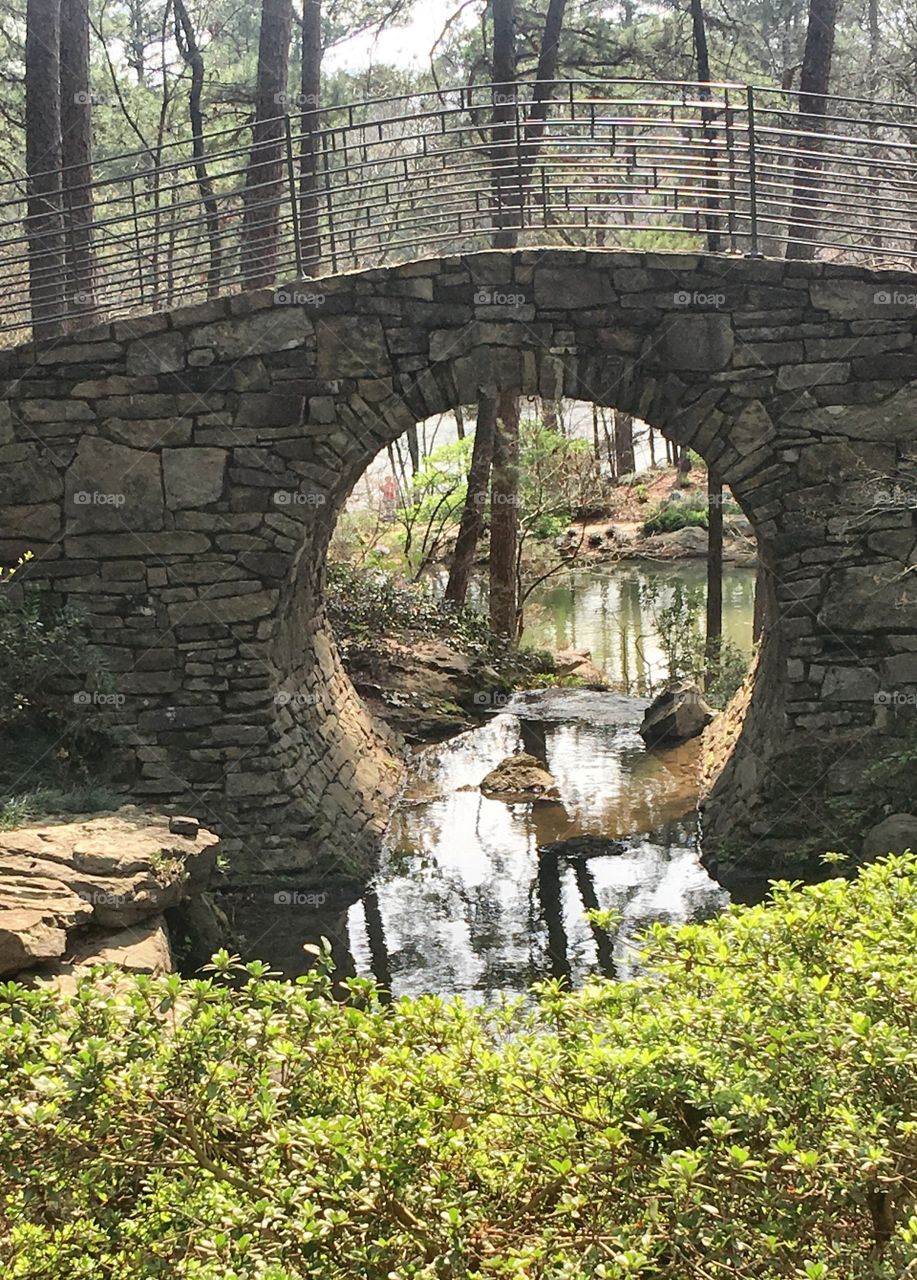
x=177, y=477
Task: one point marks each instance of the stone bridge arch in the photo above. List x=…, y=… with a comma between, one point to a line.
x=178, y=476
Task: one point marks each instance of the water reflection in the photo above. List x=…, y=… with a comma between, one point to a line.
x=606, y=612
x=463, y=902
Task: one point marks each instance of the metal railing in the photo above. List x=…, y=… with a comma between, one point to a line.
x=624, y=163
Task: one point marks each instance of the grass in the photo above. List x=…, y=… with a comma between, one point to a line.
x=29, y=806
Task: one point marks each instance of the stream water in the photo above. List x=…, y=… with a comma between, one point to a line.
x=463, y=903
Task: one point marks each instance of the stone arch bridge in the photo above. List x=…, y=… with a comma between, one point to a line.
x=178, y=477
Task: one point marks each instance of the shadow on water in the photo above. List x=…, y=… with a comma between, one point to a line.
x=463, y=903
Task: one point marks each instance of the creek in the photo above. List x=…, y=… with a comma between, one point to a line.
x=463, y=903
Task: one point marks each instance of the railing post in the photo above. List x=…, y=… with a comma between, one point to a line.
x=754, y=250
x=520, y=166
x=294, y=203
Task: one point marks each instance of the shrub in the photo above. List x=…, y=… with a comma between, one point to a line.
x=725, y=673
x=42, y=647
x=368, y=605
x=50, y=740
x=748, y=1108
x=677, y=608
x=679, y=515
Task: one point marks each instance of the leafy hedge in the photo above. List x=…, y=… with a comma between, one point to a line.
x=747, y=1109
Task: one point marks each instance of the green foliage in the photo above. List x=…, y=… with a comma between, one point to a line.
x=42, y=648
x=641, y=493
x=886, y=787
x=668, y=519
x=678, y=610
x=725, y=673
x=27, y=806
x=370, y=603
x=684, y=510
x=745, y=1109
x=438, y=492
x=367, y=606
x=51, y=731
x=48, y=671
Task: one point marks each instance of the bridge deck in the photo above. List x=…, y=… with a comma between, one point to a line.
x=631, y=164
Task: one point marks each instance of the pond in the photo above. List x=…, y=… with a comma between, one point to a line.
x=463, y=903
x=610, y=614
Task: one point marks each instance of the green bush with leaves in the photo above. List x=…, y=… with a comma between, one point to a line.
x=42, y=645
x=50, y=742
x=683, y=510
x=678, y=609
x=366, y=606
x=675, y=516
x=746, y=1109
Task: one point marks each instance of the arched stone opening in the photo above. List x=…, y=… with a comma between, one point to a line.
x=234, y=431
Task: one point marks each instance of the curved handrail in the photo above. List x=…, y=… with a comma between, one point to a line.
x=628, y=162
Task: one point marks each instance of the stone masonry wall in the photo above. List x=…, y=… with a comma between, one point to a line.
x=178, y=477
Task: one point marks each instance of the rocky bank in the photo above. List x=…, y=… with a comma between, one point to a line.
x=95, y=889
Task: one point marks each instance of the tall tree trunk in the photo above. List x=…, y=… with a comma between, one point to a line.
x=714, y=640
x=505, y=176
x=310, y=91
x=264, y=186
x=625, y=459
x=43, y=159
x=504, y=520
x=504, y=236
x=413, y=448
x=186, y=40
x=76, y=159
x=815, y=79
x=765, y=600
x=472, y=521
x=702, y=61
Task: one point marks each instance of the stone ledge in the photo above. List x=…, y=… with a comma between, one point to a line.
x=71, y=889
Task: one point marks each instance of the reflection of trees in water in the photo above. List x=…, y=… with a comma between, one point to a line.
x=534, y=738
x=378, y=948
x=552, y=910
x=603, y=944
x=602, y=610
x=500, y=917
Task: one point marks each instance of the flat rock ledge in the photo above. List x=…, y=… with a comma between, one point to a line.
x=78, y=892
